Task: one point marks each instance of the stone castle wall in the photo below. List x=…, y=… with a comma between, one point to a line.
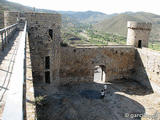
x=1, y=19
x=42, y=45
x=10, y=18
x=147, y=67
x=78, y=64
x=70, y=64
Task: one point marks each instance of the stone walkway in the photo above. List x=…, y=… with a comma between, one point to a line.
x=7, y=58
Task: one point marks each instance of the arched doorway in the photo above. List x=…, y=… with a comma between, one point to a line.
x=99, y=74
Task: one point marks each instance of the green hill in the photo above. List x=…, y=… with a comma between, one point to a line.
x=118, y=24
x=89, y=17
x=11, y=6
x=113, y=23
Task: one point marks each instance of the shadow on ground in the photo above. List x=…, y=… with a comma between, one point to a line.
x=8, y=46
x=82, y=102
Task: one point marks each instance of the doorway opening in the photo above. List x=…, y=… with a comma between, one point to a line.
x=99, y=74
x=139, y=43
x=47, y=77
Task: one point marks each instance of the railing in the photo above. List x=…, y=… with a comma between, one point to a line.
x=13, y=109
x=6, y=34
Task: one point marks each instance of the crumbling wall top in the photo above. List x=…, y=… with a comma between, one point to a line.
x=139, y=25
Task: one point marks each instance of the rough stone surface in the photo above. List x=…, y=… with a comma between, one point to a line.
x=1, y=19
x=29, y=92
x=138, y=31
x=43, y=45
x=10, y=18
x=147, y=67
x=78, y=64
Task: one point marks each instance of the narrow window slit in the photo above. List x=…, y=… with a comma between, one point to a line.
x=47, y=77
x=51, y=33
x=47, y=62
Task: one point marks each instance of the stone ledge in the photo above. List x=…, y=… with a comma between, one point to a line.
x=30, y=99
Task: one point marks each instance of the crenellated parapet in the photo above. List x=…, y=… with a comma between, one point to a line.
x=138, y=33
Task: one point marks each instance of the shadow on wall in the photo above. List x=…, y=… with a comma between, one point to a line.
x=140, y=74
x=35, y=60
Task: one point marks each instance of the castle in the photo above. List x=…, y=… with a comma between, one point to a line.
x=56, y=64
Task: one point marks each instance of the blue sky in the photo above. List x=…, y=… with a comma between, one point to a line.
x=106, y=6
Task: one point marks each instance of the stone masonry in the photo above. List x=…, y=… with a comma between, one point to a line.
x=1, y=19
x=56, y=64
x=10, y=18
x=138, y=33
x=78, y=64
x=44, y=40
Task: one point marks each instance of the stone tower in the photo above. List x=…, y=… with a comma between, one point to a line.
x=44, y=39
x=138, y=33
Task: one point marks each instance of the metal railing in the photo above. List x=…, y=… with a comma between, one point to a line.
x=6, y=34
x=13, y=109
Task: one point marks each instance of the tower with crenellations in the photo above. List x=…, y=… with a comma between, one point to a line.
x=138, y=33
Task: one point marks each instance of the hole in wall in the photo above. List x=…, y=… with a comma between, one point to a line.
x=63, y=44
x=121, y=53
x=47, y=77
x=51, y=33
x=47, y=62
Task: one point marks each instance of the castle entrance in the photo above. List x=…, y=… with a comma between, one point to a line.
x=99, y=74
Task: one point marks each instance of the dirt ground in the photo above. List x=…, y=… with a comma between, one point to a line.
x=124, y=100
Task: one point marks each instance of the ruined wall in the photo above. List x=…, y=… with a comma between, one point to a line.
x=10, y=18
x=77, y=64
x=147, y=67
x=42, y=45
x=1, y=19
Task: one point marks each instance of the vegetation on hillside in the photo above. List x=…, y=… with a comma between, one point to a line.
x=118, y=24
x=80, y=27
x=87, y=35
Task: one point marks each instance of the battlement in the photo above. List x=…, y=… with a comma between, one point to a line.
x=138, y=33
x=139, y=25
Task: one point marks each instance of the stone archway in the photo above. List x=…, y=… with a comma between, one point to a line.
x=99, y=74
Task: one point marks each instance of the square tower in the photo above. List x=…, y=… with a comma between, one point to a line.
x=138, y=33
x=44, y=39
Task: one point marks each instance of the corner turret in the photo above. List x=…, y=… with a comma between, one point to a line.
x=138, y=33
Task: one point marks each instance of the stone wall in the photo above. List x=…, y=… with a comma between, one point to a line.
x=138, y=31
x=147, y=67
x=78, y=64
x=43, y=45
x=1, y=19
x=10, y=18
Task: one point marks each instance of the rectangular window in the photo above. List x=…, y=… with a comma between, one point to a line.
x=51, y=33
x=47, y=62
x=47, y=77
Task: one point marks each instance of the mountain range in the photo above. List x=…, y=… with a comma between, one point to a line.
x=118, y=23
x=112, y=23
